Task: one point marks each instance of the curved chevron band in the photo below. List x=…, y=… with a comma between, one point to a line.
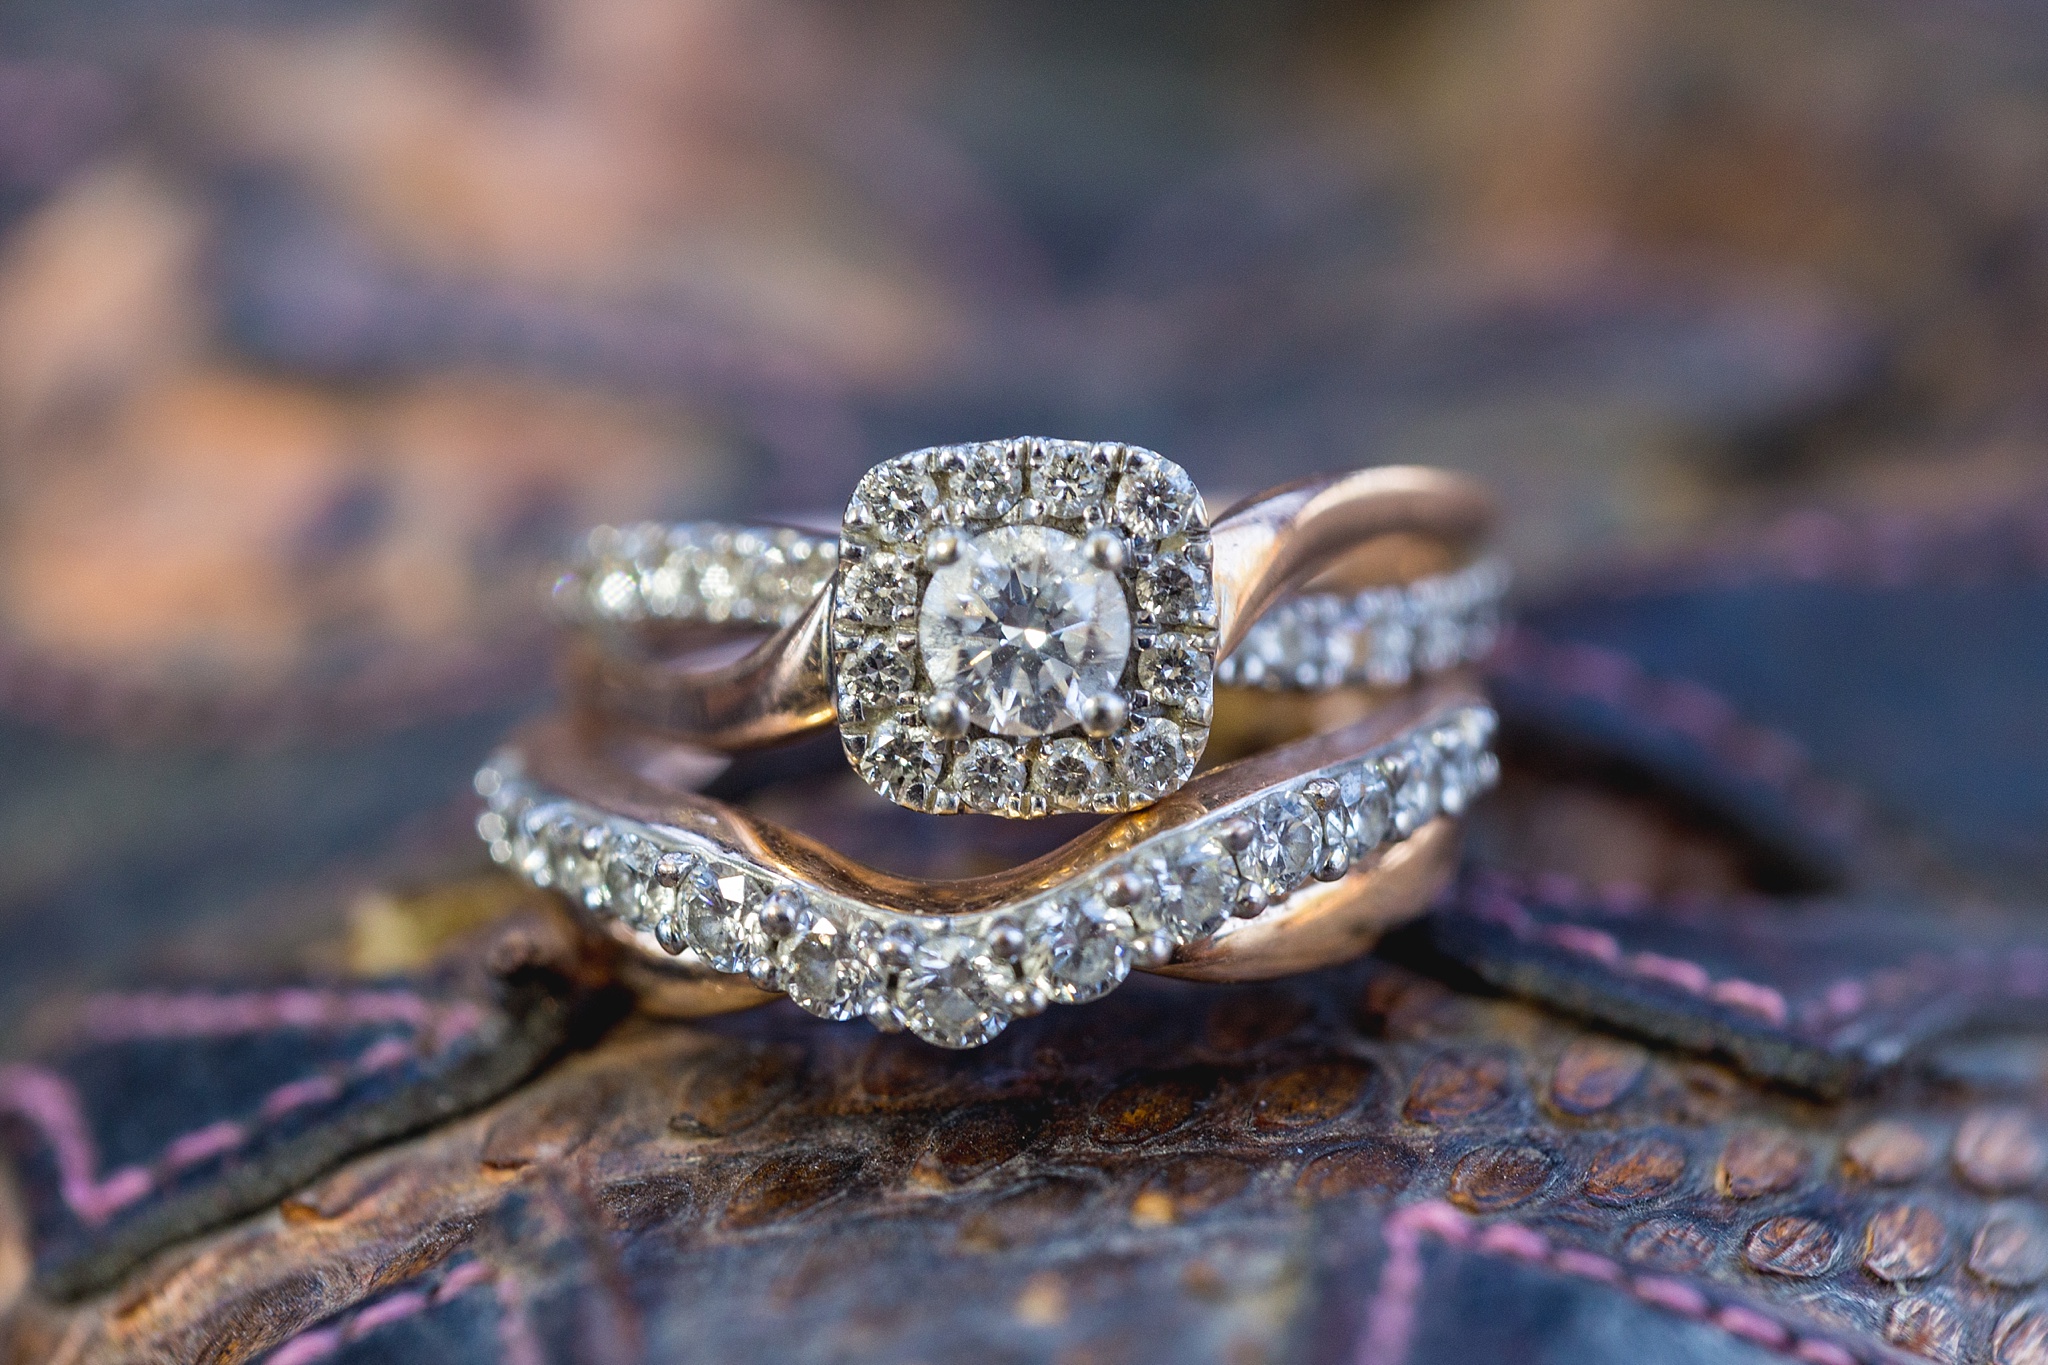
x=1275, y=864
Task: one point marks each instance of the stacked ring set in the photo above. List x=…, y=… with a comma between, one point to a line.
x=1269, y=716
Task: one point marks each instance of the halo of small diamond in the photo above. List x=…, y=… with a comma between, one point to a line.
x=913, y=516
x=957, y=981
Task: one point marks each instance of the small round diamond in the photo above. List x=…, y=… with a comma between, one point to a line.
x=875, y=591
x=990, y=774
x=989, y=479
x=1368, y=810
x=1175, y=590
x=823, y=973
x=1467, y=767
x=707, y=921
x=1070, y=477
x=1390, y=645
x=1174, y=670
x=1152, y=758
x=899, y=496
x=578, y=857
x=1155, y=498
x=1208, y=883
x=1070, y=774
x=902, y=761
x=876, y=676
x=630, y=888
x=951, y=994
x=530, y=855
x=1286, y=841
x=1412, y=774
x=1024, y=628
x=1076, y=952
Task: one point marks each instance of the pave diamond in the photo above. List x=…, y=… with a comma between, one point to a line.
x=990, y=774
x=1208, y=889
x=951, y=993
x=875, y=590
x=821, y=971
x=1023, y=628
x=903, y=761
x=1070, y=477
x=877, y=675
x=1156, y=499
x=1175, y=591
x=989, y=479
x=1412, y=774
x=1286, y=840
x=1076, y=952
x=1173, y=671
x=1152, y=758
x=1070, y=775
x=898, y=496
x=1368, y=810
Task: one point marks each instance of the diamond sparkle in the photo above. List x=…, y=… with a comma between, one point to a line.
x=1023, y=628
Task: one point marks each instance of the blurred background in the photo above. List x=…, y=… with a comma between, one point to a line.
x=325, y=324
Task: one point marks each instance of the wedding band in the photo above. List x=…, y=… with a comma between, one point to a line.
x=1026, y=627
x=1288, y=860
x=713, y=573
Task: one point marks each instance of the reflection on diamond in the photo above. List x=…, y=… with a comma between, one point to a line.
x=1023, y=628
x=1076, y=952
x=951, y=992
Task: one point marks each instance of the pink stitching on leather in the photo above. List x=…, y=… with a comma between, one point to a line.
x=1495, y=905
x=316, y=1342
x=49, y=1102
x=515, y=1330
x=1687, y=708
x=1390, y=1320
x=164, y=1014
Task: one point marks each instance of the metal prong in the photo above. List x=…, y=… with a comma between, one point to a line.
x=942, y=547
x=946, y=716
x=783, y=913
x=895, y=951
x=1125, y=888
x=669, y=869
x=1006, y=941
x=1334, y=865
x=1237, y=833
x=1251, y=901
x=668, y=932
x=1104, y=549
x=1154, y=950
x=1103, y=714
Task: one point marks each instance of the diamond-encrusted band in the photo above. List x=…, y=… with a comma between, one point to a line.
x=721, y=573
x=702, y=885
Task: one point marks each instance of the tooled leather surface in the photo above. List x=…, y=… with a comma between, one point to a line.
x=1717, y=1125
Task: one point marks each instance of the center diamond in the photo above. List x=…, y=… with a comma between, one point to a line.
x=1021, y=627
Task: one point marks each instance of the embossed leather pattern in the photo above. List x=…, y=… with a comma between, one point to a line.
x=161, y=1113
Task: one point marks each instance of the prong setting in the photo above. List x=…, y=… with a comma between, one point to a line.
x=1092, y=559
x=1104, y=549
x=1103, y=714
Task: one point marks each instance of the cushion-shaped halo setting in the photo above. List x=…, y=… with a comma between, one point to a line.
x=1024, y=627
